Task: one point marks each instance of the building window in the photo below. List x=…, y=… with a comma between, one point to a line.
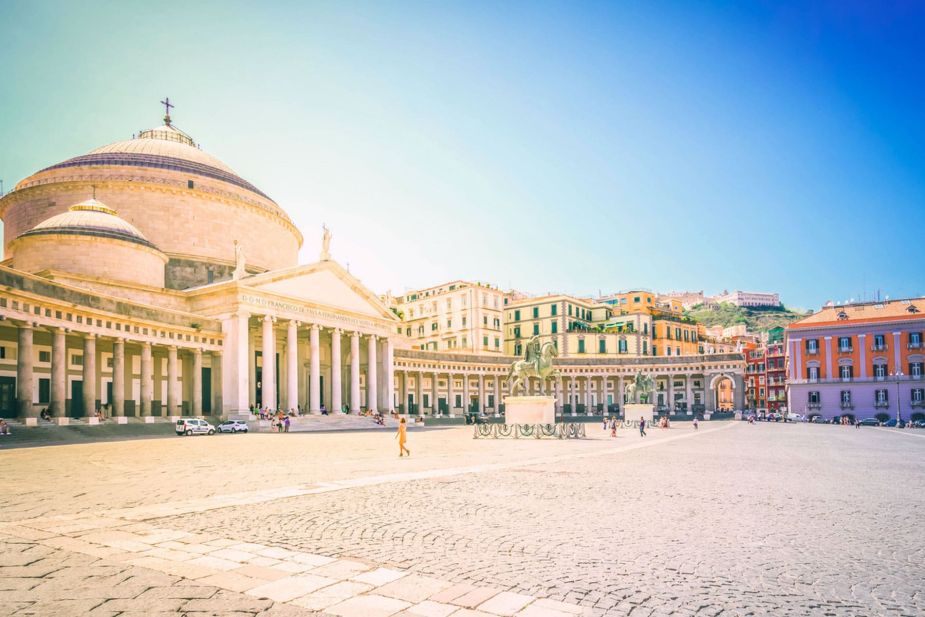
x=879, y=343
x=636, y=300
x=813, y=398
x=880, y=371
x=812, y=346
x=918, y=395
x=536, y=329
x=812, y=373
x=44, y=390
x=844, y=344
x=915, y=340
x=536, y=312
x=581, y=345
x=463, y=321
x=881, y=398
x=45, y=356
x=654, y=349
x=645, y=348
x=189, y=184
x=449, y=324
x=915, y=370
x=846, y=372
x=516, y=331
x=845, y=397
x=497, y=342
x=621, y=345
x=517, y=315
x=485, y=320
x=602, y=346
x=77, y=360
x=484, y=341
x=555, y=327
x=645, y=328
x=554, y=310
x=518, y=349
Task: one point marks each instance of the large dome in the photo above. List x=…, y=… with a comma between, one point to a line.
x=186, y=202
x=165, y=147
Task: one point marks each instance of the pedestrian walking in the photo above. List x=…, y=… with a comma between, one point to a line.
x=642, y=427
x=286, y=424
x=613, y=427
x=605, y=422
x=402, y=436
x=696, y=424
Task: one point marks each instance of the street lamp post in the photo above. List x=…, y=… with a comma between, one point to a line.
x=897, y=375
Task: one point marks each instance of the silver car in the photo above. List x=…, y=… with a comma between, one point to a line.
x=232, y=426
x=194, y=426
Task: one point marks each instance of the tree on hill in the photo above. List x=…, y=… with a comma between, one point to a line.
x=756, y=319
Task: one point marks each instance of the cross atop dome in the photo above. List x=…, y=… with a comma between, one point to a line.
x=167, y=105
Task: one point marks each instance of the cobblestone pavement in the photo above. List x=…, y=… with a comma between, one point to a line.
x=732, y=520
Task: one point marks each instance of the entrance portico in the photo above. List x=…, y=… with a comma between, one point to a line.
x=284, y=333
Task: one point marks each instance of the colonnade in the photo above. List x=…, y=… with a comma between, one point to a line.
x=184, y=388
x=344, y=366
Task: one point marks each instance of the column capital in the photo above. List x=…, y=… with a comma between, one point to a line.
x=89, y=335
x=197, y=351
x=315, y=327
x=294, y=323
x=171, y=348
x=336, y=331
x=355, y=334
x=118, y=339
x=373, y=337
x=269, y=318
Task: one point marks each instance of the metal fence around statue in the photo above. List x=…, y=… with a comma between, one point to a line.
x=562, y=430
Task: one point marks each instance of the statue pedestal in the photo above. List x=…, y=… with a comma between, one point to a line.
x=634, y=411
x=530, y=410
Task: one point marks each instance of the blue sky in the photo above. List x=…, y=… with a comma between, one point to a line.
x=567, y=146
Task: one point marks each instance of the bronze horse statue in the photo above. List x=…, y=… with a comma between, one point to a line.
x=537, y=362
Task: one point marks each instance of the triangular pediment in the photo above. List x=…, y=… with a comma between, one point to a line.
x=324, y=283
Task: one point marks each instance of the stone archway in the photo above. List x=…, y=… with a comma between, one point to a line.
x=722, y=390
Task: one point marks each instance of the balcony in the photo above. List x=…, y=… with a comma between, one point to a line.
x=847, y=405
x=848, y=349
x=814, y=406
x=881, y=404
x=918, y=404
x=915, y=345
x=812, y=352
x=878, y=347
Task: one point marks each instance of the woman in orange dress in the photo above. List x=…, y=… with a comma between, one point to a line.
x=402, y=438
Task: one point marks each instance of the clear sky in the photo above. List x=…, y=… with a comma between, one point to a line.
x=566, y=146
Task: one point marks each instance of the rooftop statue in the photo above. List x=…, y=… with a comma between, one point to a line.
x=325, y=243
x=537, y=362
x=239, y=271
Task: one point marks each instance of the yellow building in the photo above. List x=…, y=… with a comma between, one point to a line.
x=672, y=333
x=577, y=326
x=459, y=316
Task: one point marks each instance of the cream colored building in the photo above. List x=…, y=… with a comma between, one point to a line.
x=148, y=279
x=459, y=316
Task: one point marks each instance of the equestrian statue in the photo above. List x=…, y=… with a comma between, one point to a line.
x=537, y=362
x=640, y=389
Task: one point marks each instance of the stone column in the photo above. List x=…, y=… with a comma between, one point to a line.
x=496, y=407
x=390, y=374
x=147, y=379
x=419, y=392
x=118, y=377
x=355, y=373
x=481, y=393
x=689, y=394
x=237, y=366
x=450, y=395
x=89, y=375
x=173, y=388
x=709, y=394
x=24, y=364
x=466, y=399
x=249, y=351
x=58, y=397
x=336, y=388
x=604, y=394
x=196, y=402
x=738, y=393
x=619, y=397
x=292, y=364
x=560, y=396
x=371, y=381
x=434, y=396
x=670, y=393
x=573, y=395
x=268, y=377
x=314, y=370
x=217, y=398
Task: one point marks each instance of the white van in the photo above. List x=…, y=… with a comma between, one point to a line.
x=192, y=426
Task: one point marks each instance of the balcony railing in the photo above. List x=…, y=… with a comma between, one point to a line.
x=847, y=405
x=812, y=352
x=856, y=379
x=878, y=347
x=814, y=405
x=881, y=404
x=847, y=349
x=917, y=345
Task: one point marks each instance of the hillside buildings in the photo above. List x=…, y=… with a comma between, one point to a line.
x=750, y=299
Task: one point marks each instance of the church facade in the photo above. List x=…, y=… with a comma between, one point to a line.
x=203, y=308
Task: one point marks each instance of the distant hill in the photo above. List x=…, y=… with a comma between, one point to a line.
x=757, y=319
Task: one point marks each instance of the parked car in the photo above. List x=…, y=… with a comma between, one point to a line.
x=193, y=426
x=795, y=417
x=918, y=424
x=772, y=417
x=892, y=423
x=818, y=420
x=232, y=426
x=870, y=422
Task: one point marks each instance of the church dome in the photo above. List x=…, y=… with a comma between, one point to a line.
x=90, y=218
x=164, y=147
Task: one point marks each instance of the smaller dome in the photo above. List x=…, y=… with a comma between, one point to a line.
x=90, y=218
